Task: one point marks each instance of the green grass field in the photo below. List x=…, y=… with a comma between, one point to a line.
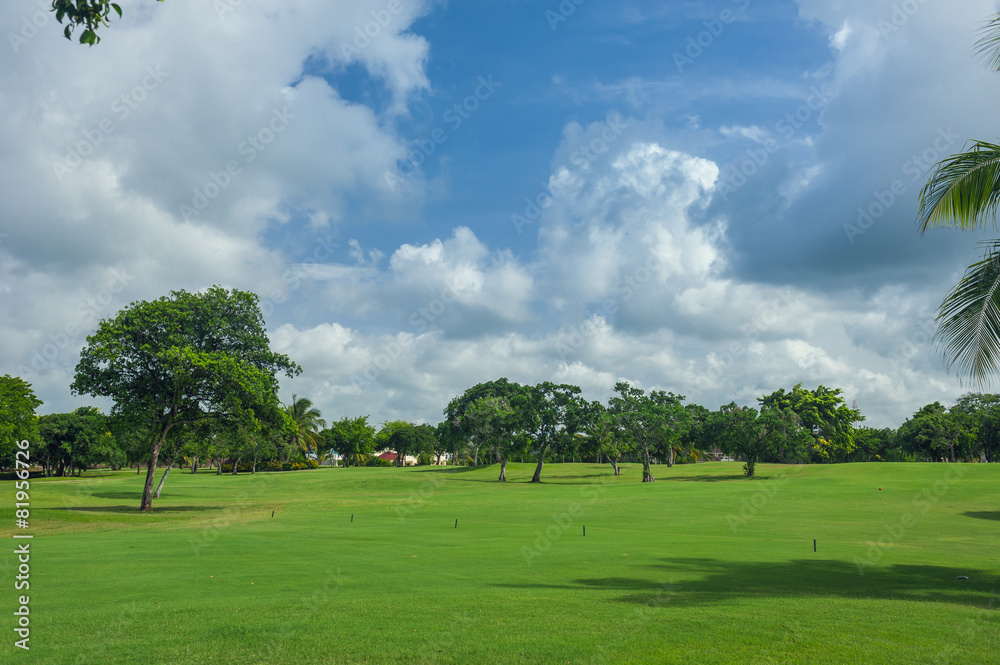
x=703, y=566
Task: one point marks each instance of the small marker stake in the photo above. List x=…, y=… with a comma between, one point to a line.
x=585, y=530
x=456, y=523
x=814, y=544
x=272, y=513
x=352, y=517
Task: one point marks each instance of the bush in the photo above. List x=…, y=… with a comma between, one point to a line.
x=377, y=461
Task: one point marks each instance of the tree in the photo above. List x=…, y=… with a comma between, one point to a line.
x=553, y=413
x=822, y=412
x=935, y=433
x=405, y=438
x=182, y=359
x=308, y=425
x=604, y=434
x=982, y=415
x=18, y=421
x=648, y=422
x=743, y=432
x=511, y=394
x=351, y=438
x=964, y=192
x=492, y=423
x=75, y=441
x=88, y=14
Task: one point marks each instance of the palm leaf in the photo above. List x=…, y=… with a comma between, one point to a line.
x=988, y=46
x=964, y=189
x=970, y=319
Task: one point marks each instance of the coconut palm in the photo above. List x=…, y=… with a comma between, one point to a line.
x=964, y=192
x=308, y=422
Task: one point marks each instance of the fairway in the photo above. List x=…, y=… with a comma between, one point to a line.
x=368, y=566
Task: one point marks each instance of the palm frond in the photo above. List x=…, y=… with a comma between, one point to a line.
x=964, y=190
x=988, y=46
x=970, y=319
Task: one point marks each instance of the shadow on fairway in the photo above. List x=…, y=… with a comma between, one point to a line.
x=688, y=582
x=983, y=515
x=135, y=509
x=712, y=479
x=134, y=494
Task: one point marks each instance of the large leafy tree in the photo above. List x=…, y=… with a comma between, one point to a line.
x=553, y=414
x=351, y=438
x=18, y=421
x=182, y=359
x=934, y=432
x=648, y=422
x=76, y=441
x=981, y=413
x=964, y=192
x=822, y=412
x=744, y=433
x=493, y=424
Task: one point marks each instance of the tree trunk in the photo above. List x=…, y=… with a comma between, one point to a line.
x=163, y=479
x=614, y=465
x=647, y=474
x=537, y=478
x=951, y=450
x=147, y=490
x=670, y=457
x=503, y=470
x=236, y=466
x=194, y=465
x=218, y=471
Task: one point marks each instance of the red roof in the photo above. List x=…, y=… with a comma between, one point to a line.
x=388, y=457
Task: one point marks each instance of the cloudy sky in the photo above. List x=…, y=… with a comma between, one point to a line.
x=715, y=198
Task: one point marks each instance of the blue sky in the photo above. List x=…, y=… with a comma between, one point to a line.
x=726, y=191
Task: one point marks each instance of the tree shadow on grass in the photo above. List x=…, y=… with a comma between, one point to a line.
x=984, y=515
x=123, y=494
x=712, y=479
x=694, y=582
x=135, y=509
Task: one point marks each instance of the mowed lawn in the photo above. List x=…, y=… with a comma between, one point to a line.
x=703, y=566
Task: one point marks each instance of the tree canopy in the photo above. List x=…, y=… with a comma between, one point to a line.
x=184, y=358
x=18, y=421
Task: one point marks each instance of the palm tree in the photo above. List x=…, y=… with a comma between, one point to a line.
x=309, y=423
x=964, y=192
